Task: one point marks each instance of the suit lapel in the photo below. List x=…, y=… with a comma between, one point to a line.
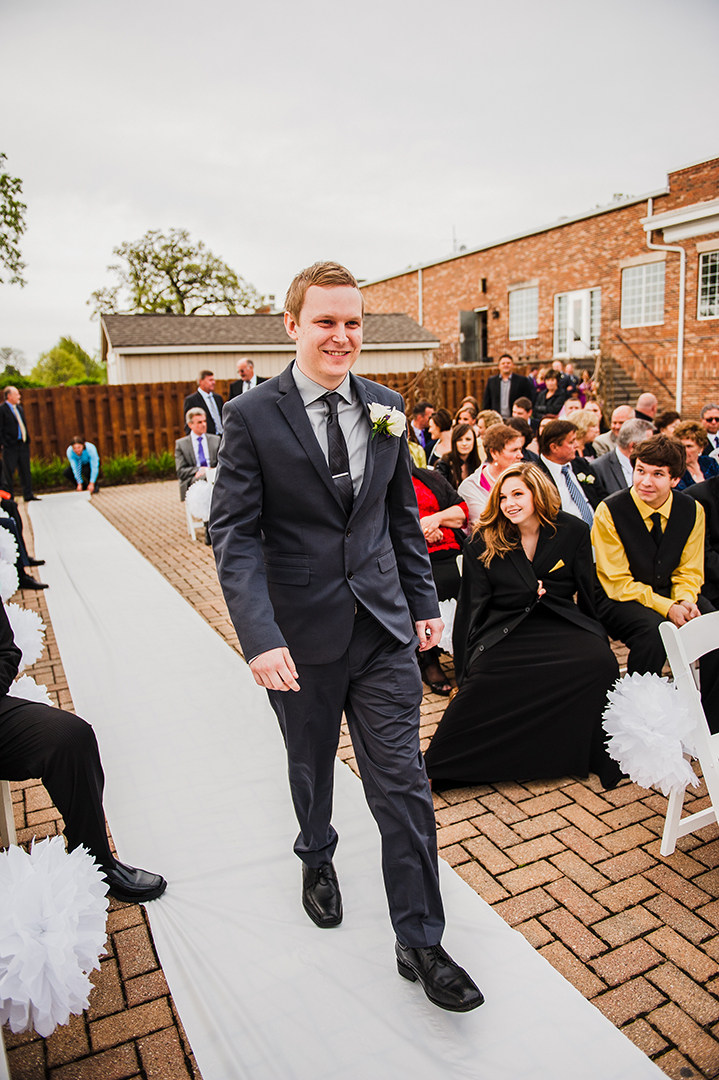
x=544, y=549
x=292, y=406
x=522, y=565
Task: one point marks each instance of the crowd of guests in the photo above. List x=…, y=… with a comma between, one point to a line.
x=573, y=531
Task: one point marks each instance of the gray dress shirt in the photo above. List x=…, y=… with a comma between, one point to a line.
x=353, y=418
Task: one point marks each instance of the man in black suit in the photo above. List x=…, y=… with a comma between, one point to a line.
x=615, y=468
x=205, y=398
x=580, y=489
x=15, y=443
x=247, y=378
x=502, y=390
x=707, y=493
x=326, y=575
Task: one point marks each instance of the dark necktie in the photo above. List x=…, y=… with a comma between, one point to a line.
x=339, y=461
x=201, y=454
x=656, y=530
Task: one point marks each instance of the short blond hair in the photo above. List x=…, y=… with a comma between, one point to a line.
x=324, y=274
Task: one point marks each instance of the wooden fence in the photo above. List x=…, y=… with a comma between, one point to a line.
x=146, y=418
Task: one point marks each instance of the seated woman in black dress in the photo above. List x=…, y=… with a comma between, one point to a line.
x=533, y=667
x=463, y=458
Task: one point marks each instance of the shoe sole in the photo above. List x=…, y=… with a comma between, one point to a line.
x=324, y=925
x=129, y=898
x=411, y=975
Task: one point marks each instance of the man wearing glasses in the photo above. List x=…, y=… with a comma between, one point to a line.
x=710, y=419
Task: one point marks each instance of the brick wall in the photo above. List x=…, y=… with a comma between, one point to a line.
x=578, y=255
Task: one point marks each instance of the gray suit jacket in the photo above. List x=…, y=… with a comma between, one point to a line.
x=185, y=463
x=604, y=443
x=291, y=563
x=610, y=472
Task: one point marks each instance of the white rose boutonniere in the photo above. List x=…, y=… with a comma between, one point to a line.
x=585, y=478
x=386, y=420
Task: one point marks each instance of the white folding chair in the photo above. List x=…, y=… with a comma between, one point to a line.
x=190, y=522
x=7, y=818
x=685, y=645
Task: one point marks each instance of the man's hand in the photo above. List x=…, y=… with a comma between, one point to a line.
x=275, y=670
x=200, y=472
x=682, y=611
x=79, y=487
x=429, y=631
x=90, y=487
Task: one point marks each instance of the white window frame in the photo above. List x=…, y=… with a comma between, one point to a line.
x=577, y=323
x=642, y=279
x=524, y=313
x=709, y=256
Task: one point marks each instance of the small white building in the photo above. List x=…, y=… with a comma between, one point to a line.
x=174, y=348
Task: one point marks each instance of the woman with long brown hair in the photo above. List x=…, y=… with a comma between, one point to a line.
x=533, y=666
x=463, y=458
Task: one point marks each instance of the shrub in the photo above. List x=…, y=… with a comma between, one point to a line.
x=46, y=474
x=160, y=465
x=121, y=469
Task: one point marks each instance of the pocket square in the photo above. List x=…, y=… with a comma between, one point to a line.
x=557, y=566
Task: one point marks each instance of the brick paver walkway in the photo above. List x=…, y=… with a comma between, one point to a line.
x=574, y=869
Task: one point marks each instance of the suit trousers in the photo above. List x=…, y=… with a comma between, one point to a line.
x=37, y=740
x=378, y=686
x=16, y=456
x=637, y=627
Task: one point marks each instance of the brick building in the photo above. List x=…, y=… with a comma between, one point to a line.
x=604, y=286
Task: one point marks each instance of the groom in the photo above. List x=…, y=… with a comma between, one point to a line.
x=327, y=579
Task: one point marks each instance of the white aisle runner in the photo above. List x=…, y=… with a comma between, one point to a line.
x=196, y=789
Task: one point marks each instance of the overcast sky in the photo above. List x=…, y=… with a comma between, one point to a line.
x=280, y=133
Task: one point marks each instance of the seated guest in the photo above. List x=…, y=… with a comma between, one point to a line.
x=615, y=468
x=194, y=454
x=700, y=466
x=608, y=440
x=646, y=407
x=707, y=493
x=59, y=748
x=549, y=400
x=587, y=425
x=586, y=387
x=466, y=414
x=594, y=406
x=440, y=432
x=486, y=419
x=530, y=450
x=522, y=408
x=504, y=448
x=649, y=546
x=11, y=521
x=84, y=464
x=666, y=423
x=469, y=400
x=415, y=450
x=533, y=666
x=578, y=486
x=421, y=412
x=463, y=458
x=441, y=514
x=571, y=405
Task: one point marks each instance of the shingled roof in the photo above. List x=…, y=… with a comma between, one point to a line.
x=134, y=331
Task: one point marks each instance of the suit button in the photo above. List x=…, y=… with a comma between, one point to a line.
x=348, y=533
x=481, y=648
x=350, y=575
x=506, y=630
x=526, y=609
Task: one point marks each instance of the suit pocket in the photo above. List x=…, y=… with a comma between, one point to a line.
x=387, y=561
x=287, y=575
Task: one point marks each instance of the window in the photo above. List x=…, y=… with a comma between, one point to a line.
x=709, y=286
x=643, y=294
x=523, y=313
x=577, y=322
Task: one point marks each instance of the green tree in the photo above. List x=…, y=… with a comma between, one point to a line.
x=67, y=364
x=169, y=273
x=12, y=225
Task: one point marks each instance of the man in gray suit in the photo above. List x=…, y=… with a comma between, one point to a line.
x=196, y=452
x=615, y=468
x=326, y=576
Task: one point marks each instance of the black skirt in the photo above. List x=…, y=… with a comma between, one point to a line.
x=529, y=708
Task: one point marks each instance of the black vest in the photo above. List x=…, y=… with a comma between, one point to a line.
x=649, y=564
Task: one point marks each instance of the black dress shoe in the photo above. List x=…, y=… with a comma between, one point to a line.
x=27, y=582
x=36, y=562
x=34, y=498
x=445, y=983
x=321, y=896
x=131, y=885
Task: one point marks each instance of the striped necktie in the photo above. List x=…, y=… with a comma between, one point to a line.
x=577, y=496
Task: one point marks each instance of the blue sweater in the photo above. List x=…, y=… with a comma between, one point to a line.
x=89, y=456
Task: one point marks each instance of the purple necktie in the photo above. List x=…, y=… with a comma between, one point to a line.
x=201, y=454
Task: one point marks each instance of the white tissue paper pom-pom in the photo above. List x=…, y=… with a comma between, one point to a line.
x=447, y=608
x=27, y=689
x=8, y=546
x=52, y=933
x=9, y=581
x=29, y=632
x=650, y=728
x=198, y=499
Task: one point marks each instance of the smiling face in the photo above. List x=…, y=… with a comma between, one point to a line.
x=653, y=483
x=505, y=366
x=517, y=502
x=328, y=333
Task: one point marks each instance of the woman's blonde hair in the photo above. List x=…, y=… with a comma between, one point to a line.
x=583, y=420
x=501, y=535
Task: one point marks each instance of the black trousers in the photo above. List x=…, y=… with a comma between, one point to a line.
x=16, y=456
x=38, y=741
x=378, y=686
x=637, y=627
x=84, y=472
